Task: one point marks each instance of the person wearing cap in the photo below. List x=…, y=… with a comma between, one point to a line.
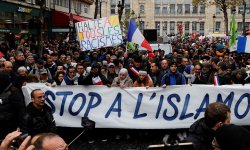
x=39, y=66
x=111, y=72
x=123, y=80
x=173, y=76
x=143, y=80
x=95, y=77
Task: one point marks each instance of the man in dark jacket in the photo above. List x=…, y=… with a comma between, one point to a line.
x=173, y=76
x=95, y=77
x=39, y=118
x=202, y=132
x=12, y=106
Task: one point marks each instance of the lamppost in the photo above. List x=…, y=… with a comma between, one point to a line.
x=120, y=9
x=140, y=21
x=100, y=8
x=213, y=21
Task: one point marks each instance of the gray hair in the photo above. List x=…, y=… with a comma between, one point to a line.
x=123, y=71
x=22, y=68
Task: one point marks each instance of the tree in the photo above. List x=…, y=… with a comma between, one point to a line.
x=40, y=21
x=223, y=5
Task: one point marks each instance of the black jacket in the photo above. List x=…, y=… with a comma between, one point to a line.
x=12, y=109
x=88, y=80
x=39, y=121
x=201, y=135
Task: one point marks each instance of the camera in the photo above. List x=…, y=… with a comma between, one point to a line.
x=18, y=141
x=87, y=123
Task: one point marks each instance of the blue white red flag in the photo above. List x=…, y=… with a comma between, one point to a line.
x=135, y=36
x=243, y=45
x=216, y=80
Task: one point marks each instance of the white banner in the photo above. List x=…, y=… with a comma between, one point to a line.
x=141, y=108
x=97, y=33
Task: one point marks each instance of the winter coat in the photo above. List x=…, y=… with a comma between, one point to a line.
x=39, y=121
x=201, y=135
x=173, y=79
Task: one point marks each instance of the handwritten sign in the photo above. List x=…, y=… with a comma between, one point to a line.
x=97, y=33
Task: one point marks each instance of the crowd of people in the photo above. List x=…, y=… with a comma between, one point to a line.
x=192, y=61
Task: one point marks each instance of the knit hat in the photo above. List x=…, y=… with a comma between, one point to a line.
x=141, y=72
x=172, y=63
x=219, y=47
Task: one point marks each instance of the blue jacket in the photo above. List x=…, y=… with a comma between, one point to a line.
x=173, y=78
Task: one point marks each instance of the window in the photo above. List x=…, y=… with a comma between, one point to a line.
x=127, y=6
x=164, y=27
x=164, y=10
x=158, y=2
x=240, y=10
x=202, y=9
x=239, y=26
x=195, y=10
x=172, y=9
x=172, y=27
x=179, y=8
x=157, y=27
x=217, y=11
x=157, y=9
x=164, y=2
x=142, y=9
x=217, y=26
x=78, y=7
x=112, y=7
x=187, y=27
x=247, y=10
x=202, y=28
x=86, y=9
x=194, y=26
x=187, y=8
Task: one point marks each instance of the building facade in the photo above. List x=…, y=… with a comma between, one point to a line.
x=166, y=15
x=18, y=17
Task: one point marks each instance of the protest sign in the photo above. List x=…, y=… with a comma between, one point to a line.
x=141, y=108
x=97, y=33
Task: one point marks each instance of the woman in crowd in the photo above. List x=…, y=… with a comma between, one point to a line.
x=143, y=80
x=59, y=77
x=123, y=80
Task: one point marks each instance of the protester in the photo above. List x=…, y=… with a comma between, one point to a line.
x=59, y=77
x=231, y=137
x=173, y=77
x=12, y=106
x=143, y=80
x=39, y=116
x=50, y=141
x=123, y=80
x=7, y=142
x=94, y=77
x=202, y=132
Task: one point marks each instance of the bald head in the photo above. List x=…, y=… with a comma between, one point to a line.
x=8, y=67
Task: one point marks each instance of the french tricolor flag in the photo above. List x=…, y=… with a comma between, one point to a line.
x=135, y=36
x=216, y=80
x=243, y=45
